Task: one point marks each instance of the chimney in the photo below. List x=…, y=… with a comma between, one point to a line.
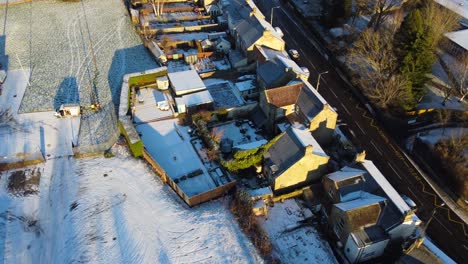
x=274, y=168
x=360, y=157
x=309, y=149
x=254, y=11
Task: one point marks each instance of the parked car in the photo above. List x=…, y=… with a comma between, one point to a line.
x=305, y=70
x=293, y=53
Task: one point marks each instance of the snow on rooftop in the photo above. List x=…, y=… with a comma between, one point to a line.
x=194, y=99
x=458, y=6
x=245, y=85
x=391, y=193
x=365, y=200
x=437, y=251
x=316, y=93
x=175, y=154
x=184, y=82
x=146, y=105
x=460, y=37
x=306, y=139
x=345, y=173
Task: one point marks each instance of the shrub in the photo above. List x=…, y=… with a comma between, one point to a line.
x=137, y=147
x=222, y=114
x=241, y=207
x=245, y=159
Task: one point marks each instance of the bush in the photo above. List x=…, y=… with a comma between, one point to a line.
x=451, y=153
x=241, y=207
x=245, y=159
x=108, y=154
x=222, y=115
x=137, y=147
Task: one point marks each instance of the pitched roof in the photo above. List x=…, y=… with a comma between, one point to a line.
x=387, y=188
x=460, y=37
x=345, y=173
x=248, y=21
x=310, y=102
x=283, y=96
x=279, y=71
x=289, y=148
x=365, y=200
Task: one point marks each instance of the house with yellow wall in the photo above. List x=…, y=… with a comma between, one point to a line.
x=294, y=160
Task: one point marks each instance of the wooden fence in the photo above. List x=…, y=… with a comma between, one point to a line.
x=191, y=201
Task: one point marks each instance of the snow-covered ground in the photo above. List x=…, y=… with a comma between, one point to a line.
x=292, y=242
x=29, y=136
x=247, y=138
x=433, y=136
x=113, y=211
x=51, y=39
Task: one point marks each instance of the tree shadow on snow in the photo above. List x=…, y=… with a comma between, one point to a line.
x=125, y=61
x=67, y=93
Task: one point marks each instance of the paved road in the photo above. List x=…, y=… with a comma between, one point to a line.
x=446, y=229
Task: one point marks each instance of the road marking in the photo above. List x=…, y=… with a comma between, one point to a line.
x=360, y=128
x=443, y=225
x=393, y=169
x=331, y=90
x=415, y=196
x=346, y=109
x=304, y=33
x=376, y=148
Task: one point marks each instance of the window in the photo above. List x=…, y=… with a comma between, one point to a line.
x=331, y=192
x=339, y=227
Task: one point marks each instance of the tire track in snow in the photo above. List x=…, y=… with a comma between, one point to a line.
x=97, y=47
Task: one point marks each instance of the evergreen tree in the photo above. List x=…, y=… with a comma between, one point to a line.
x=414, y=52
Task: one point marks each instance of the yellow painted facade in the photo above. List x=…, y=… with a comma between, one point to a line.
x=310, y=168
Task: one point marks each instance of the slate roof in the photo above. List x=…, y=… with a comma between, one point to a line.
x=366, y=200
x=289, y=149
x=268, y=54
x=310, y=102
x=278, y=71
x=345, y=173
x=248, y=21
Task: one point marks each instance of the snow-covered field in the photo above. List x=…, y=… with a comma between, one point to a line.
x=113, y=211
x=51, y=39
x=293, y=242
x=30, y=136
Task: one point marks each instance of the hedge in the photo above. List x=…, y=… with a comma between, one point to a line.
x=137, y=147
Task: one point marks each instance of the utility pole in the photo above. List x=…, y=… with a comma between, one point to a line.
x=318, y=79
x=271, y=14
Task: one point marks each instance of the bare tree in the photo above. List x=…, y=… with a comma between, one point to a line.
x=444, y=116
x=438, y=20
x=158, y=6
x=459, y=76
x=381, y=9
x=373, y=57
